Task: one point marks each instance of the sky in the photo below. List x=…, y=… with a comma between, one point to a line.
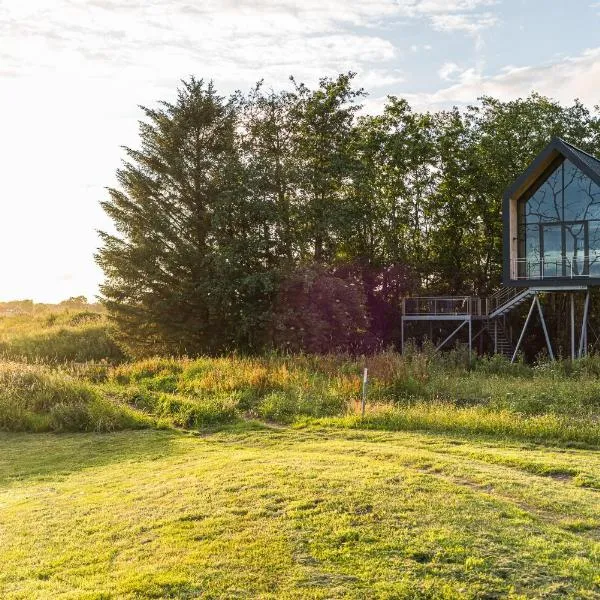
x=74, y=72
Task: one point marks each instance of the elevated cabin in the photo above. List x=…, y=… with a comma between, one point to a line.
x=551, y=243
x=551, y=218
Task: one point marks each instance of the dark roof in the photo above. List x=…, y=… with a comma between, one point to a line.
x=591, y=161
x=587, y=163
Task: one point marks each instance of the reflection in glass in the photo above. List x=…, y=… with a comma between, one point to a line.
x=576, y=262
x=594, y=248
x=581, y=195
x=559, y=226
x=553, y=251
x=546, y=203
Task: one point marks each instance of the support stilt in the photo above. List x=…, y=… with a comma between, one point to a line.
x=583, y=337
x=478, y=334
x=550, y=353
x=512, y=360
x=454, y=333
x=470, y=338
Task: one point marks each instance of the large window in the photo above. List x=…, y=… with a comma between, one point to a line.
x=559, y=226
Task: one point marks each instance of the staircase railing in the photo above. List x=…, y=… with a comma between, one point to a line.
x=458, y=305
x=502, y=296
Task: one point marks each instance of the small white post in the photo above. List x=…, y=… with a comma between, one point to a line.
x=573, y=356
x=364, y=391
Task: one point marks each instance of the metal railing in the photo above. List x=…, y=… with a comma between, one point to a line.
x=444, y=305
x=501, y=297
x=565, y=267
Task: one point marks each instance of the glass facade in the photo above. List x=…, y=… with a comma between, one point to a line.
x=559, y=226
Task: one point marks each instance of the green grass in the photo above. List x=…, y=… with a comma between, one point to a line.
x=35, y=398
x=295, y=513
x=552, y=403
x=58, y=334
x=499, y=423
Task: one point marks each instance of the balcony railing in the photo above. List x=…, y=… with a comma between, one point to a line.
x=565, y=267
x=444, y=305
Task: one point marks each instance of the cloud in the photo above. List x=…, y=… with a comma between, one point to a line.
x=472, y=24
x=233, y=41
x=447, y=70
x=414, y=48
x=73, y=72
x=564, y=80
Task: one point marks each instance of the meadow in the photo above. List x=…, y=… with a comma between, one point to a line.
x=259, y=477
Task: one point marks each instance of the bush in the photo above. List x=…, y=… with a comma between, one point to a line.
x=317, y=312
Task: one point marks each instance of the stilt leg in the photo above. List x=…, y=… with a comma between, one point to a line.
x=550, y=353
x=583, y=337
x=470, y=338
x=512, y=360
x=454, y=333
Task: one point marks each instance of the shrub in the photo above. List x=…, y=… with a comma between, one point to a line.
x=317, y=312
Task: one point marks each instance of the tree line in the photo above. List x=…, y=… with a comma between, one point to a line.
x=292, y=219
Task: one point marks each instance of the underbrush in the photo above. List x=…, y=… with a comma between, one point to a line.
x=421, y=390
x=33, y=398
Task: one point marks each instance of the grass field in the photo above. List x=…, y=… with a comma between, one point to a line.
x=257, y=477
x=267, y=512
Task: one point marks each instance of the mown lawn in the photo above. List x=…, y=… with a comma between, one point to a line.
x=295, y=513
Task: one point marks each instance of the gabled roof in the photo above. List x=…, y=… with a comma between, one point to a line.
x=591, y=161
x=587, y=163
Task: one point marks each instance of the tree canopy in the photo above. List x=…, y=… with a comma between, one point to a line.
x=231, y=210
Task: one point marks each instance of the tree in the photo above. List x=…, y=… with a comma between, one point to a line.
x=181, y=272
x=322, y=142
x=236, y=220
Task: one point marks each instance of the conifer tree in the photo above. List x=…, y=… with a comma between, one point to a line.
x=179, y=268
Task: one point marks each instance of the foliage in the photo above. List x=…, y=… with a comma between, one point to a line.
x=317, y=312
x=226, y=201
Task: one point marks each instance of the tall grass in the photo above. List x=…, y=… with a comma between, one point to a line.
x=559, y=401
x=68, y=358
x=53, y=336
x=33, y=398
